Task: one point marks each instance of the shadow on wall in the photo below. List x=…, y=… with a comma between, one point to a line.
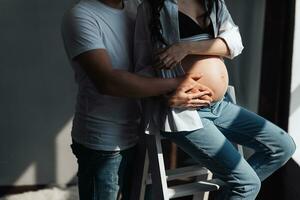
x=37, y=89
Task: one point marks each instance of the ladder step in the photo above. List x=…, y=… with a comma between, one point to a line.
x=185, y=172
x=182, y=172
x=192, y=188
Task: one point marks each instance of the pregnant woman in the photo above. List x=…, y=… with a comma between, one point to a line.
x=194, y=36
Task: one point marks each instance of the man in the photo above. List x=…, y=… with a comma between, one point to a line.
x=98, y=38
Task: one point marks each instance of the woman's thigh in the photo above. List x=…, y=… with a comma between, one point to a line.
x=211, y=148
x=249, y=129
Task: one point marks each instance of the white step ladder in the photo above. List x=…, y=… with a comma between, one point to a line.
x=150, y=169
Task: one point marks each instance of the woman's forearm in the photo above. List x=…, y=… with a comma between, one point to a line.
x=169, y=57
x=214, y=47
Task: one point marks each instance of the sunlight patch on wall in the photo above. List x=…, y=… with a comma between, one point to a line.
x=66, y=166
x=294, y=119
x=29, y=175
x=294, y=131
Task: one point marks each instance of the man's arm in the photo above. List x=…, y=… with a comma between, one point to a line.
x=98, y=67
x=83, y=41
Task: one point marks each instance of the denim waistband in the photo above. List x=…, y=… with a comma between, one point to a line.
x=214, y=104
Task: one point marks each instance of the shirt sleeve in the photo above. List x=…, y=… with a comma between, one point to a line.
x=142, y=43
x=81, y=33
x=229, y=31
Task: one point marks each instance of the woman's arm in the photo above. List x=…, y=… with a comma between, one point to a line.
x=216, y=47
x=228, y=42
x=171, y=56
x=229, y=31
x=143, y=62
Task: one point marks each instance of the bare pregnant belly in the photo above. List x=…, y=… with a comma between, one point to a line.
x=215, y=75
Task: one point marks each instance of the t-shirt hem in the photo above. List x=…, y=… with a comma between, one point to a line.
x=106, y=147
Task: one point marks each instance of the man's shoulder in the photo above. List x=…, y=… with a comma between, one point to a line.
x=81, y=14
x=80, y=9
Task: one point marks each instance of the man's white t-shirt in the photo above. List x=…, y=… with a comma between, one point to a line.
x=102, y=122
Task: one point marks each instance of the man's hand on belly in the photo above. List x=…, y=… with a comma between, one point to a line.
x=191, y=96
x=207, y=97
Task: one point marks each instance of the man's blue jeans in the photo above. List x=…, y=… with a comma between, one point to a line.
x=103, y=174
x=224, y=122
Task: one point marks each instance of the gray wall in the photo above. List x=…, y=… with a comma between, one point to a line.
x=38, y=90
x=245, y=70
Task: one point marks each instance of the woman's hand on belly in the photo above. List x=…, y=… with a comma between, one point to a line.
x=170, y=56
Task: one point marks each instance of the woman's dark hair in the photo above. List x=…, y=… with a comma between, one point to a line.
x=155, y=23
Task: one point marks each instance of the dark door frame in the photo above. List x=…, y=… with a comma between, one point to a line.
x=274, y=101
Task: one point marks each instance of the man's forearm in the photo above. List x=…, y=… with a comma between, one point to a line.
x=126, y=84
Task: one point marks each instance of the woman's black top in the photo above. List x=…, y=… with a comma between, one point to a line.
x=188, y=28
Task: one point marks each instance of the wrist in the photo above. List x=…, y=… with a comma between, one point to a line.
x=178, y=81
x=188, y=48
x=172, y=84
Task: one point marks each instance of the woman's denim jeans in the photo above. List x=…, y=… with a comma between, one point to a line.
x=103, y=174
x=224, y=122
